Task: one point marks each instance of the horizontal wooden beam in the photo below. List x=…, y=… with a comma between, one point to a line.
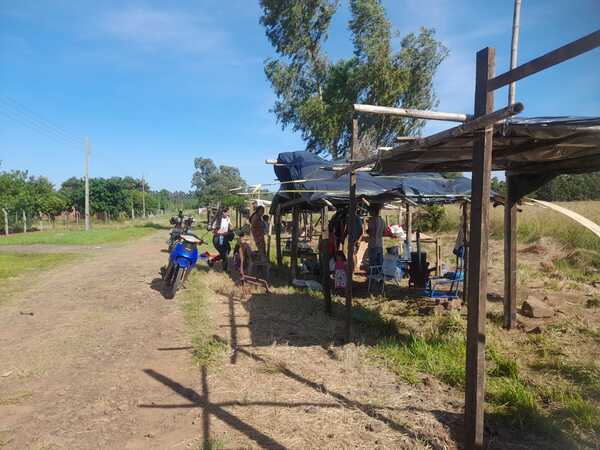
x=467, y=127
x=575, y=48
x=411, y=113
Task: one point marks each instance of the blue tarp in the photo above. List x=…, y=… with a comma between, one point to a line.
x=314, y=176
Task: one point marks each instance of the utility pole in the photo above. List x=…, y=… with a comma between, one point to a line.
x=87, y=183
x=143, y=198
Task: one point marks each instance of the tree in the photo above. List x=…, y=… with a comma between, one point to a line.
x=214, y=184
x=315, y=96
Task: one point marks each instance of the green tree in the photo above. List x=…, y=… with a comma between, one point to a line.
x=315, y=96
x=214, y=184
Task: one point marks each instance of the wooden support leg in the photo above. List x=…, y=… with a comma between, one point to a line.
x=324, y=260
x=510, y=255
x=480, y=197
x=465, y=215
x=278, y=238
x=295, y=233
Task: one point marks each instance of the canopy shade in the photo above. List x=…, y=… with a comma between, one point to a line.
x=314, y=178
x=546, y=146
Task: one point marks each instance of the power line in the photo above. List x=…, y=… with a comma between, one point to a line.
x=31, y=115
x=35, y=126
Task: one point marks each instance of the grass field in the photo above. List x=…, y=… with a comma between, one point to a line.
x=16, y=264
x=96, y=236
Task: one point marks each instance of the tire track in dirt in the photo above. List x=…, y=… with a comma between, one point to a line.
x=72, y=374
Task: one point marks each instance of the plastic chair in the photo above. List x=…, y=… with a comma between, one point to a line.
x=390, y=270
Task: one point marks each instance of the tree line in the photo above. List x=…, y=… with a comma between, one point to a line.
x=22, y=194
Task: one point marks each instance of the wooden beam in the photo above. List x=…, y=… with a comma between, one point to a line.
x=510, y=254
x=408, y=229
x=351, y=222
x=476, y=314
x=293, y=202
x=411, y=113
x=477, y=123
x=557, y=56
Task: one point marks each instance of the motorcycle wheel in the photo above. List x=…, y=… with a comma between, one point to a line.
x=176, y=280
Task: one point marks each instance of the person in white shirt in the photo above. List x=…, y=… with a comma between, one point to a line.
x=222, y=235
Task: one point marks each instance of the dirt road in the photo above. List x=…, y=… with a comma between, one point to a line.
x=74, y=346
x=92, y=356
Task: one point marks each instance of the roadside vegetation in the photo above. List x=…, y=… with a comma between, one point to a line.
x=207, y=348
x=16, y=264
x=96, y=236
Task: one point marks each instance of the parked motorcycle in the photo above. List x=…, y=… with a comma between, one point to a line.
x=182, y=258
x=181, y=225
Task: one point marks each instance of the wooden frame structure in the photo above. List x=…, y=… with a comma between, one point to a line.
x=477, y=241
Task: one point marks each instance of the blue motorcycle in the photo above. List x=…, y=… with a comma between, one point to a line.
x=182, y=258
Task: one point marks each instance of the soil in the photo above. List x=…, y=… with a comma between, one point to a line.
x=93, y=356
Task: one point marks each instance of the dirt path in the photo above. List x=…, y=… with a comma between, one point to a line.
x=104, y=362
x=72, y=374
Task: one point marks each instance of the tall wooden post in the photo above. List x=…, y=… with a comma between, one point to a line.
x=408, y=229
x=295, y=233
x=278, y=237
x=324, y=259
x=24, y=221
x=480, y=203
x=510, y=254
x=351, y=221
x=465, y=225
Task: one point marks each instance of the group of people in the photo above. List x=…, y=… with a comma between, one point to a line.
x=223, y=232
x=338, y=231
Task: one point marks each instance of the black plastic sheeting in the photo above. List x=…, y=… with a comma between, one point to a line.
x=533, y=149
x=316, y=179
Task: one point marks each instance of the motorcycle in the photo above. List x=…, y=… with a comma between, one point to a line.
x=181, y=225
x=182, y=258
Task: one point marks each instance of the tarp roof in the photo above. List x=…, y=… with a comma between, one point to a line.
x=316, y=180
x=528, y=146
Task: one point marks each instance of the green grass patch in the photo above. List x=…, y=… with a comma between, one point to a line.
x=580, y=265
x=13, y=265
x=95, y=236
x=208, y=349
x=440, y=351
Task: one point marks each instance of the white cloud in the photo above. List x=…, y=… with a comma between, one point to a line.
x=159, y=29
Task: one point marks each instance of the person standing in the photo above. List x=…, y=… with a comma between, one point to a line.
x=375, y=232
x=222, y=235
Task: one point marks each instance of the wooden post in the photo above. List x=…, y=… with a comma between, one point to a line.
x=294, y=255
x=5, y=221
x=324, y=258
x=438, y=262
x=270, y=232
x=465, y=216
x=510, y=254
x=24, y=221
x=351, y=221
x=408, y=229
x=480, y=203
x=278, y=237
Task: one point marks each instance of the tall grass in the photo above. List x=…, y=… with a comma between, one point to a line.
x=535, y=222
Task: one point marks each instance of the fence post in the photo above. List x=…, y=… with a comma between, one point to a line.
x=5, y=221
x=24, y=221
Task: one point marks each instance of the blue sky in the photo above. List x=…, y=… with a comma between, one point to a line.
x=155, y=84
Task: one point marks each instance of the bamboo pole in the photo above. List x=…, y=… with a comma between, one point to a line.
x=414, y=113
x=477, y=123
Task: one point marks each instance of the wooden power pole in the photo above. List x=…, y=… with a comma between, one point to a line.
x=87, y=183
